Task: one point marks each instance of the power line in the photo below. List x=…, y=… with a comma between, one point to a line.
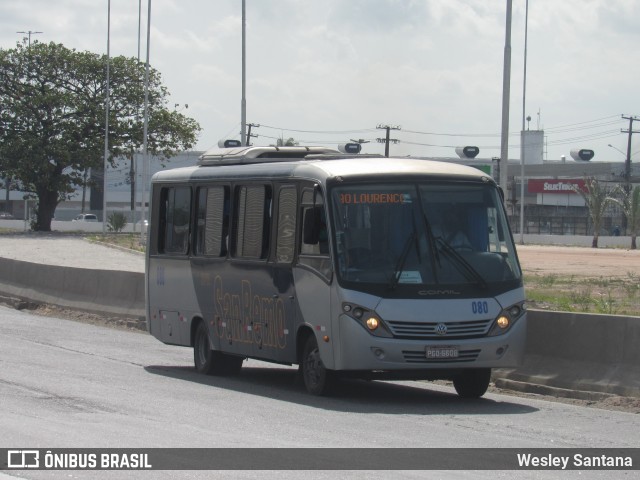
x=583, y=123
x=328, y=132
x=599, y=136
x=554, y=132
x=590, y=124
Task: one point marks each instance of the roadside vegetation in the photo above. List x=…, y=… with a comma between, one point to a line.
x=611, y=296
x=130, y=241
x=52, y=117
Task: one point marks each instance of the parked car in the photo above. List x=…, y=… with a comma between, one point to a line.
x=86, y=217
x=6, y=216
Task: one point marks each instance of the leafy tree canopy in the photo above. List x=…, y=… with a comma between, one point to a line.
x=52, y=118
x=596, y=197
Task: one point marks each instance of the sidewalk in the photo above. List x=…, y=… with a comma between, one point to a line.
x=69, y=251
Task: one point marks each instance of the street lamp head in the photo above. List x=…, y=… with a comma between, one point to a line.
x=617, y=149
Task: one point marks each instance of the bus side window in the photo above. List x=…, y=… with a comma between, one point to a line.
x=314, y=232
x=212, y=230
x=176, y=214
x=315, y=238
x=286, y=234
x=253, y=221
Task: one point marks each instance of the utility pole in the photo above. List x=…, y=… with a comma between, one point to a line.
x=30, y=32
x=627, y=162
x=249, y=135
x=387, y=140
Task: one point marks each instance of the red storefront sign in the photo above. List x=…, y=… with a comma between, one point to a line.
x=538, y=185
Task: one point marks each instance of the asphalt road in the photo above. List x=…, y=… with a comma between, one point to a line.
x=69, y=384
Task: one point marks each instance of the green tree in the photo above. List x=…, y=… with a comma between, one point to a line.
x=596, y=197
x=52, y=119
x=630, y=204
x=290, y=142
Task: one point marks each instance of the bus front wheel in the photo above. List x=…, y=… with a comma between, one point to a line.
x=472, y=383
x=209, y=361
x=317, y=379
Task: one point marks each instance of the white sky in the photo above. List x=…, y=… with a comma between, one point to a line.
x=331, y=70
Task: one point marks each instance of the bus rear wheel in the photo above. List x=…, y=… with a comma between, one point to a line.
x=472, y=383
x=317, y=379
x=209, y=361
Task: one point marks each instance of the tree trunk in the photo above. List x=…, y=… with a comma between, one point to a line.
x=46, y=207
x=633, y=242
x=594, y=243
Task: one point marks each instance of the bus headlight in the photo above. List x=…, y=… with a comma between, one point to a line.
x=372, y=323
x=368, y=319
x=506, y=319
x=503, y=322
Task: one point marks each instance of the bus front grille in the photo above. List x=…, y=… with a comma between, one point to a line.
x=433, y=330
x=419, y=356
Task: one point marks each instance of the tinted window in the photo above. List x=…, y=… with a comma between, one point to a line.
x=175, y=214
x=253, y=218
x=213, y=221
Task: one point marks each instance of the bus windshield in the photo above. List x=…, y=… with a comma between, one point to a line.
x=428, y=234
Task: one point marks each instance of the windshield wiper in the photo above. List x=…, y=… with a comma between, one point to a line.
x=435, y=256
x=461, y=263
x=397, y=273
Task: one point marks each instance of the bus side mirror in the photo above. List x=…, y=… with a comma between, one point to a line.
x=312, y=225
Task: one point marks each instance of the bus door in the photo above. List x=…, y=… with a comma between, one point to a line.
x=171, y=290
x=313, y=272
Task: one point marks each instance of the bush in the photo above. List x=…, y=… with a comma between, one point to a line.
x=116, y=222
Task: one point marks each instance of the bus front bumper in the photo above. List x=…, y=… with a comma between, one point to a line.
x=364, y=352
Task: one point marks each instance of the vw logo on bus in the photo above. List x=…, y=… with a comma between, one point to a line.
x=441, y=329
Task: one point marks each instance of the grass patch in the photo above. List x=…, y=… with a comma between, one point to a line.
x=130, y=241
x=590, y=295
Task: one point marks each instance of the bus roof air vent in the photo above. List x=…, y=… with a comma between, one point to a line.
x=239, y=155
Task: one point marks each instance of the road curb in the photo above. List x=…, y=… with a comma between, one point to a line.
x=526, y=387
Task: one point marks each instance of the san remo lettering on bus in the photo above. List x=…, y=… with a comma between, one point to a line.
x=249, y=318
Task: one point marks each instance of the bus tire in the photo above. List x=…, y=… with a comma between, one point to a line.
x=211, y=362
x=203, y=356
x=472, y=383
x=317, y=379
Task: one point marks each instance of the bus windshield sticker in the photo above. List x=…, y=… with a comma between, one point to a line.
x=410, y=277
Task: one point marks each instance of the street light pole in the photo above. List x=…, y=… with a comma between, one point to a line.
x=522, y=150
x=243, y=102
x=506, y=88
x=145, y=154
x=106, y=125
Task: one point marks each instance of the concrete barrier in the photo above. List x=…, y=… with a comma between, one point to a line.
x=604, y=241
x=580, y=352
x=596, y=354
x=97, y=291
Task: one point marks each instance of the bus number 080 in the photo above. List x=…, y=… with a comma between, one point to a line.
x=479, y=307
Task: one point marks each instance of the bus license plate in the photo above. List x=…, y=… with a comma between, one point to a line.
x=443, y=352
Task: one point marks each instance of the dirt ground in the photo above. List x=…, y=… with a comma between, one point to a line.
x=579, y=261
